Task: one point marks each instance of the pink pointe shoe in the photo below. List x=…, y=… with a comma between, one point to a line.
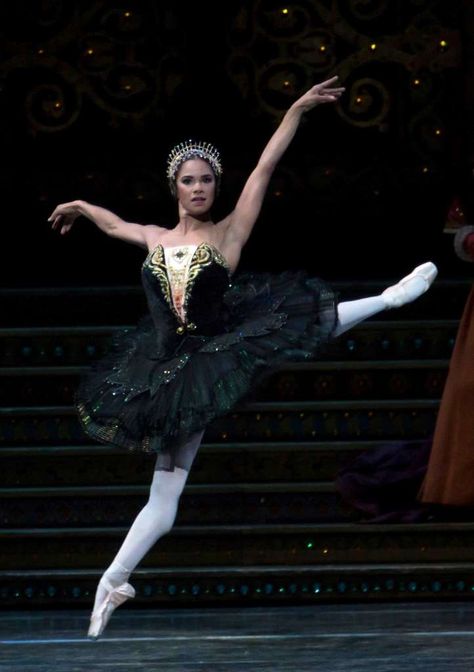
x=114, y=598
x=407, y=290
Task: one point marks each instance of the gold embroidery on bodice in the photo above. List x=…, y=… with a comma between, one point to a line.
x=156, y=262
x=177, y=268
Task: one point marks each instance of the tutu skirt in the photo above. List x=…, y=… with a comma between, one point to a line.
x=153, y=391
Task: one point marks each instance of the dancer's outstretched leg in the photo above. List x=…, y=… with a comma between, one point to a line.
x=408, y=289
x=154, y=521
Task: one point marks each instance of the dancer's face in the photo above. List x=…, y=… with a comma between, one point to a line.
x=196, y=186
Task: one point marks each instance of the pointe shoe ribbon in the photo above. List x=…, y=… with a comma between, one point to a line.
x=114, y=598
x=399, y=294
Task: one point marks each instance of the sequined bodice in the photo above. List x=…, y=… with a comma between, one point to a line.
x=190, y=281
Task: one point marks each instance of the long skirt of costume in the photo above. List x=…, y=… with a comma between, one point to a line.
x=450, y=475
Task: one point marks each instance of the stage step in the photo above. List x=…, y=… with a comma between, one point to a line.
x=218, y=463
x=171, y=586
x=228, y=545
x=213, y=504
x=255, y=422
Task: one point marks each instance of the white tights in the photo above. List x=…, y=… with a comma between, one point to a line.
x=158, y=515
x=154, y=520
x=350, y=313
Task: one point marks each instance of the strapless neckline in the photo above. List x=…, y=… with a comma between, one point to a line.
x=196, y=248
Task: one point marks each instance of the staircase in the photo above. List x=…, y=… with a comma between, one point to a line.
x=260, y=519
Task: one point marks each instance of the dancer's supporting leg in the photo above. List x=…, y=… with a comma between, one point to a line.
x=154, y=520
x=408, y=289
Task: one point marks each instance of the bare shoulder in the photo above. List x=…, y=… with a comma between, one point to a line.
x=154, y=235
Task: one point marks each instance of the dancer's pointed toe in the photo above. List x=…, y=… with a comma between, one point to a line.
x=411, y=286
x=427, y=271
x=114, y=598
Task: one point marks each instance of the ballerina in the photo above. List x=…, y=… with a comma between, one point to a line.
x=210, y=335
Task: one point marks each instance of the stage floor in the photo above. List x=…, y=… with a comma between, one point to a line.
x=361, y=638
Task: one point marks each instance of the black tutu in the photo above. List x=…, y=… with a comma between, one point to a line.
x=166, y=380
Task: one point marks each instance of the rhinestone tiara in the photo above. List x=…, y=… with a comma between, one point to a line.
x=190, y=149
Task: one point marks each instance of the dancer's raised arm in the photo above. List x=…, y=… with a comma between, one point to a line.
x=242, y=219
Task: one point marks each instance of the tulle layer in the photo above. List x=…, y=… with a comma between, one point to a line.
x=150, y=398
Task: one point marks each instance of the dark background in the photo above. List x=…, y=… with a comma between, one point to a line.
x=94, y=94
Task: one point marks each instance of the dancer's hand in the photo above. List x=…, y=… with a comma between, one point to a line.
x=64, y=216
x=325, y=92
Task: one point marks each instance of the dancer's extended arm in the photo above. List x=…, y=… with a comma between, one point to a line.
x=65, y=214
x=240, y=222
